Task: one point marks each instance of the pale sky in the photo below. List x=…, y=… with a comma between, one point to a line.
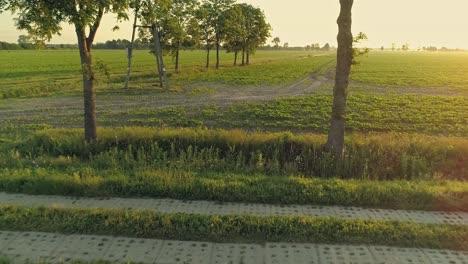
x=302, y=22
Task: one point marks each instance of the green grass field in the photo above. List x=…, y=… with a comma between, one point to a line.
x=32, y=73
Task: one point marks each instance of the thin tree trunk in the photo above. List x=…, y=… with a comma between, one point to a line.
x=177, y=58
x=217, y=52
x=243, y=56
x=336, y=134
x=207, y=57
x=130, y=50
x=248, y=58
x=235, y=57
x=89, y=95
x=159, y=56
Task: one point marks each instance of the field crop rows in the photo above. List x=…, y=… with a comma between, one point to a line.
x=414, y=69
x=430, y=115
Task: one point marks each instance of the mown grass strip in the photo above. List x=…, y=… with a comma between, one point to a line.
x=417, y=195
x=232, y=228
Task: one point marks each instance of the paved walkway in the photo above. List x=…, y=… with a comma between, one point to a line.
x=216, y=208
x=21, y=247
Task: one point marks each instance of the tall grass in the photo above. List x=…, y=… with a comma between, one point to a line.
x=381, y=157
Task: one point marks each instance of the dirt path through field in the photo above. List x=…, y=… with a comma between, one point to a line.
x=211, y=94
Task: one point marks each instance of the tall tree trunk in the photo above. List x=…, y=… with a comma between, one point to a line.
x=89, y=95
x=336, y=134
x=217, y=52
x=177, y=58
x=248, y=58
x=159, y=57
x=243, y=56
x=235, y=57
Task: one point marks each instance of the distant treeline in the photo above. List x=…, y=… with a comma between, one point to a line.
x=121, y=44
x=16, y=46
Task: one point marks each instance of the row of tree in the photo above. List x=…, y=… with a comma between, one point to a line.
x=210, y=24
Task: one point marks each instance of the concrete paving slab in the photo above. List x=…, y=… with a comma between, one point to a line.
x=354, y=213
x=255, y=209
x=57, y=248
x=33, y=246
x=183, y=252
x=216, y=208
x=390, y=255
x=459, y=218
x=285, y=253
x=236, y=254
x=224, y=209
x=446, y=256
x=83, y=247
x=124, y=250
x=318, y=211
x=193, y=207
x=286, y=210
x=6, y=238
x=333, y=254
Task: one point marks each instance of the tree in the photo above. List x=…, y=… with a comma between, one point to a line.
x=405, y=47
x=25, y=42
x=216, y=9
x=181, y=14
x=207, y=36
x=286, y=45
x=382, y=48
x=234, y=30
x=43, y=18
x=276, y=41
x=257, y=29
x=326, y=47
x=335, y=142
x=316, y=46
x=154, y=14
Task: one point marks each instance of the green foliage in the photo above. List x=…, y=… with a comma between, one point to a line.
x=42, y=19
x=244, y=27
x=233, y=228
x=358, y=52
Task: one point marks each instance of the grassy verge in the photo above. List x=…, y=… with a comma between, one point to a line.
x=233, y=228
x=382, y=157
x=419, y=195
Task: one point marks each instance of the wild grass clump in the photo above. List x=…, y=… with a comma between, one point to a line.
x=233, y=228
x=381, y=157
x=229, y=187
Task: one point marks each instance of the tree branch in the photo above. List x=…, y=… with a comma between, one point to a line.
x=94, y=28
